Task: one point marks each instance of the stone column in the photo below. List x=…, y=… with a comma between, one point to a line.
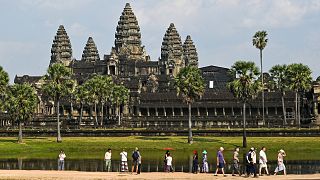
x=223, y=111
x=207, y=112
x=139, y=111
x=232, y=111
x=267, y=112
x=276, y=110
x=215, y=111
x=181, y=111
x=164, y=112
x=157, y=114
x=173, y=111
x=148, y=111
x=250, y=111
x=198, y=111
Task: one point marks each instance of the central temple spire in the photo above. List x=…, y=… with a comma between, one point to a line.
x=128, y=36
x=61, y=51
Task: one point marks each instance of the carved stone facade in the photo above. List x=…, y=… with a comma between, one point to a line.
x=153, y=101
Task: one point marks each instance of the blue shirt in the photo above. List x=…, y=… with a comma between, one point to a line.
x=220, y=157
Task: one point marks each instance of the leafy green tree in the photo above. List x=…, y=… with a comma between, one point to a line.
x=299, y=81
x=120, y=95
x=259, y=40
x=82, y=95
x=280, y=80
x=21, y=103
x=4, y=82
x=99, y=88
x=245, y=86
x=57, y=85
x=190, y=85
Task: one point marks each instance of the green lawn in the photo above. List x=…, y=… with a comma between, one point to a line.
x=297, y=148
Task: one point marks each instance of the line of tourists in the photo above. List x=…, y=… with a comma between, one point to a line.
x=198, y=166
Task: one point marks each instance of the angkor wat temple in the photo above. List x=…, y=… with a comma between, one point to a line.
x=153, y=101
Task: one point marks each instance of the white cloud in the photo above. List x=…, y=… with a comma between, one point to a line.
x=54, y=4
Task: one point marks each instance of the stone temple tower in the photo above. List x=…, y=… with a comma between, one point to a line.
x=128, y=37
x=90, y=52
x=171, y=60
x=61, y=51
x=190, y=54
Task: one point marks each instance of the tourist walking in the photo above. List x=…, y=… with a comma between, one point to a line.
x=135, y=157
x=61, y=158
x=165, y=161
x=205, y=166
x=139, y=164
x=124, y=161
x=263, y=161
x=195, y=164
x=169, y=163
x=220, y=162
x=251, y=162
x=235, y=166
x=281, y=166
x=107, y=158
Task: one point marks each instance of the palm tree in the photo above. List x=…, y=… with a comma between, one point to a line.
x=245, y=86
x=99, y=88
x=259, y=40
x=57, y=85
x=299, y=76
x=280, y=79
x=82, y=95
x=190, y=85
x=120, y=95
x=21, y=103
x=4, y=81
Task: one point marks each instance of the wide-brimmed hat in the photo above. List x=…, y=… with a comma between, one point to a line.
x=281, y=151
x=252, y=149
x=204, y=152
x=221, y=148
x=137, y=148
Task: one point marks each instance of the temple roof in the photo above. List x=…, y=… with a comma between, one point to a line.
x=171, y=45
x=90, y=52
x=190, y=52
x=128, y=36
x=61, y=48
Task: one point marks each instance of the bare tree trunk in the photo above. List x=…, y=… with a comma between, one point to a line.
x=71, y=110
x=190, y=140
x=81, y=114
x=283, y=111
x=20, y=132
x=101, y=123
x=296, y=107
x=96, y=116
x=263, y=120
x=119, y=113
x=299, y=113
x=244, y=138
x=58, y=122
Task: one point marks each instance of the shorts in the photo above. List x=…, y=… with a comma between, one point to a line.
x=135, y=163
x=220, y=165
x=263, y=165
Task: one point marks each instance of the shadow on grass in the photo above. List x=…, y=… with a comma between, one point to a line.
x=152, y=138
x=8, y=140
x=196, y=139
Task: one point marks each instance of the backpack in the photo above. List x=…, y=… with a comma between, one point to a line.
x=249, y=157
x=135, y=155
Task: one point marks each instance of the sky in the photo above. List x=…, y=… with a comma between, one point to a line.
x=222, y=30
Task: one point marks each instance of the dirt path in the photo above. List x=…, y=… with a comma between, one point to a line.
x=76, y=175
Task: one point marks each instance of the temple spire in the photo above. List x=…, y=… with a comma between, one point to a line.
x=190, y=54
x=128, y=36
x=61, y=51
x=171, y=52
x=90, y=52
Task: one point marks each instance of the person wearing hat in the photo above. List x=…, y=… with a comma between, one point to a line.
x=205, y=166
x=235, y=167
x=220, y=162
x=281, y=166
x=135, y=159
x=251, y=162
x=195, y=165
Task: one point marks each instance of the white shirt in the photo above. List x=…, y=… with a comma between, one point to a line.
x=124, y=156
x=107, y=156
x=62, y=156
x=263, y=157
x=254, y=157
x=169, y=161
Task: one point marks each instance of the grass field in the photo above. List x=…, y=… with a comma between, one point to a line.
x=297, y=148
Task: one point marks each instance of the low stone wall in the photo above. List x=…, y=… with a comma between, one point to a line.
x=134, y=132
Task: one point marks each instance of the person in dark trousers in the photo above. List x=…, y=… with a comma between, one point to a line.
x=195, y=165
x=251, y=163
x=135, y=157
x=165, y=161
